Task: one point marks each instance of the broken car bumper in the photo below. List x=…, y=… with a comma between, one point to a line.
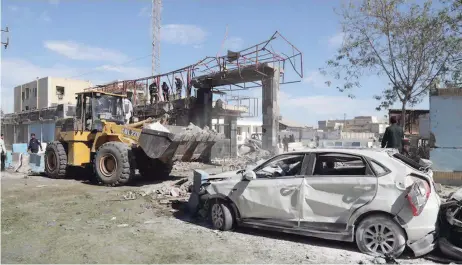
x=424, y=245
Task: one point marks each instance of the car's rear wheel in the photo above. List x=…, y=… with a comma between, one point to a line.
x=379, y=235
x=220, y=215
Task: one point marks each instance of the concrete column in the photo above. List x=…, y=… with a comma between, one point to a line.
x=204, y=107
x=270, y=108
x=231, y=133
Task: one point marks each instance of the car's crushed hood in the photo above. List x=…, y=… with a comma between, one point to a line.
x=226, y=175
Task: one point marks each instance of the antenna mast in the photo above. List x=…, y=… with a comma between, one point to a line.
x=156, y=24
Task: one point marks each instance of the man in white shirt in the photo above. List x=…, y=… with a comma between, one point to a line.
x=128, y=110
x=3, y=150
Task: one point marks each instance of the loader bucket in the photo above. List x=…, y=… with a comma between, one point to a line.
x=179, y=144
x=158, y=144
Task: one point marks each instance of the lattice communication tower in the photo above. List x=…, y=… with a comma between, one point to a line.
x=156, y=24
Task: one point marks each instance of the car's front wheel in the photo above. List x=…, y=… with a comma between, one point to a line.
x=379, y=235
x=220, y=215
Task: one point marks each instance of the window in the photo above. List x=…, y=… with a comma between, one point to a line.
x=281, y=166
x=239, y=131
x=27, y=93
x=379, y=169
x=27, y=107
x=23, y=96
x=60, y=92
x=339, y=164
x=35, y=92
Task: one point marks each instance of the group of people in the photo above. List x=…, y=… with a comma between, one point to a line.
x=154, y=91
x=285, y=141
x=33, y=147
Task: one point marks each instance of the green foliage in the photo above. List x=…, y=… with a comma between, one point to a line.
x=412, y=45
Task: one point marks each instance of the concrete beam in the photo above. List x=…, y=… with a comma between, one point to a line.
x=250, y=73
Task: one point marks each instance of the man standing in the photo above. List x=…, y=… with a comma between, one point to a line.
x=165, y=91
x=279, y=140
x=3, y=149
x=393, y=136
x=34, y=144
x=285, y=142
x=153, y=92
x=179, y=87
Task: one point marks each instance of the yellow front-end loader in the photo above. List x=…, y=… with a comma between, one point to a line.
x=97, y=138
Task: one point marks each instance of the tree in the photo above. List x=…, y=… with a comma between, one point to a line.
x=409, y=44
x=452, y=13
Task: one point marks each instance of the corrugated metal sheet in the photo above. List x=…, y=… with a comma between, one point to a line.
x=424, y=126
x=37, y=129
x=446, y=120
x=48, y=132
x=446, y=159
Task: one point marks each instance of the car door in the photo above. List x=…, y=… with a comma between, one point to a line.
x=332, y=192
x=273, y=198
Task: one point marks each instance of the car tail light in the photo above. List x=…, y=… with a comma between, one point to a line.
x=418, y=195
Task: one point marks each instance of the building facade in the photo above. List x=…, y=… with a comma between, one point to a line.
x=47, y=92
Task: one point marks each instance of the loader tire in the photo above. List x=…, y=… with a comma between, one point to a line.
x=155, y=169
x=55, y=160
x=112, y=164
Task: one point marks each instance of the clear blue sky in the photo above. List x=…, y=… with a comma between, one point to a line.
x=92, y=40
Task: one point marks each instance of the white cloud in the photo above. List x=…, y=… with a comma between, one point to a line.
x=315, y=79
x=54, y=2
x=145, y=12
x=336, y=40
x=45, y=17
x=78, y=51
x=182, y=34
x=125, y=71
x=310, y=109
x=234, y=43
x=13, y=8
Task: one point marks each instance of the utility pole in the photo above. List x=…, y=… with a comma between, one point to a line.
x=7, y=38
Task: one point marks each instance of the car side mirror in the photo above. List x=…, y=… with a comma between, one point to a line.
x=249, y=175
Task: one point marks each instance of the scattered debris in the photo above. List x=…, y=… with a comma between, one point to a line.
x=379, y=260
x=41, y=186
x=450, y=241
x=187, y=166
x=149, y=222
x=130, y=196
x=113, y=218
x=122, y=225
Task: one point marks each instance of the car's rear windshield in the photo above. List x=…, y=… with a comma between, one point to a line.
x=407, y=161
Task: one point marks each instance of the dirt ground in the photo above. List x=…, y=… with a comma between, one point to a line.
x=70, y=221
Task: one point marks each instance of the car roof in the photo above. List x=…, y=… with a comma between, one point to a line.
x=369, y=152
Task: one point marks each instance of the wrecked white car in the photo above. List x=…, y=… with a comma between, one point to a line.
x=376, y=198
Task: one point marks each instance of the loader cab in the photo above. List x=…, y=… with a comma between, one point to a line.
x=94, y=107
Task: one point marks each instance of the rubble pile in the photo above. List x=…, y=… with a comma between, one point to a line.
x=187, y=166
x=242, y=162
x=180, y=188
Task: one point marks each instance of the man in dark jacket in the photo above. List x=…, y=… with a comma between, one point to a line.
x=153, y=92
x=34, y=144
x=393, y=136
x=165, y=91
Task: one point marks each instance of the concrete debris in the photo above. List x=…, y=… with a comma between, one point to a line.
x=175, y=192
x=129, y=196
x=168, y=190
x=122, y=225
x=156, y=126
x=242, y=162
x=187, y=166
